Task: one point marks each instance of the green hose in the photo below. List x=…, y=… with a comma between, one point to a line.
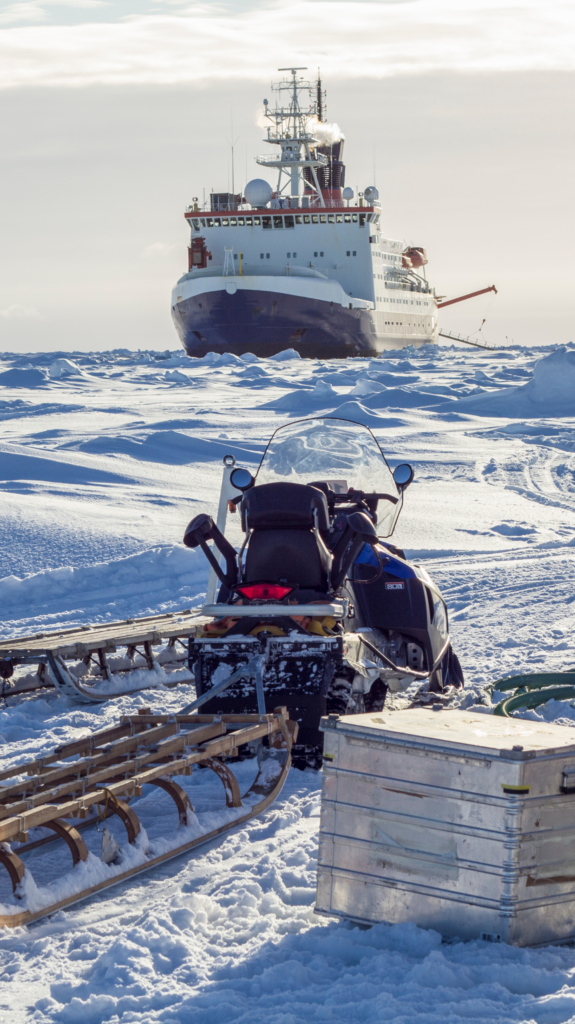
x=534, y=698
x=534, y=681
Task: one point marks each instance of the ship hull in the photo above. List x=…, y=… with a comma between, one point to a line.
x=266, y=322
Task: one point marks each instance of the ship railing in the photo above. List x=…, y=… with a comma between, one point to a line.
x=407, y=285
x=273, y=160
x=285, y=202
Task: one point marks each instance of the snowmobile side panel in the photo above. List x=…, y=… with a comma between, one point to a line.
x=408, y=606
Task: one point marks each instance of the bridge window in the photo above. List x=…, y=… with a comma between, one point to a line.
x=331, y=218
x=347, y=218
x=209, y=222
x=248, y=222
x=306, y=218
x=338, y=218
x=256, y=222
x=267, y=222
x=278, y=222
x=289, y=221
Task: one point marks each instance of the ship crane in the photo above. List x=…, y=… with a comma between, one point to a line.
x=470, y=295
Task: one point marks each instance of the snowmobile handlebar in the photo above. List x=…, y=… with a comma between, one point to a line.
x=202, y=529
x=351, y=496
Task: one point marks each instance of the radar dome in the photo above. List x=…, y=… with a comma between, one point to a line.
x=371, y=193
x=258, y=192
x=348, y=193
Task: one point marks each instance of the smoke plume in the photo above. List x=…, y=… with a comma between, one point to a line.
x=327, y=132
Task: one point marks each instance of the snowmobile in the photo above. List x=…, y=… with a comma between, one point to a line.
x=318, y=611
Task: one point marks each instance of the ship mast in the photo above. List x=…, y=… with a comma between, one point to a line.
x=320, y=110
x=289, y=130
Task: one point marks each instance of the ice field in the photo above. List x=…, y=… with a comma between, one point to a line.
x=104, y=458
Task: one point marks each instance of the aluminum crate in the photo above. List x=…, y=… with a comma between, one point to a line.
x=457, y=821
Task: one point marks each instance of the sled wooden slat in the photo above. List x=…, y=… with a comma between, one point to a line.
x=85, y=770
x=78, y=642
x=119, y=771
x=136, y=772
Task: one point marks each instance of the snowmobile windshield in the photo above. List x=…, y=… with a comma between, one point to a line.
x=343, y=454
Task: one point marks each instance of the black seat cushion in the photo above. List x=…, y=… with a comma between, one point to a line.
x=292, y=506
x=290, y=555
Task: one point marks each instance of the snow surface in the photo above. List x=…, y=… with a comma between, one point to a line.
x=104, y=457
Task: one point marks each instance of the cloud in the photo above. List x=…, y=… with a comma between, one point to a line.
x=348, y=40
x=158, y=250
x=22, y=12
x=30, y=11
x=16, y=312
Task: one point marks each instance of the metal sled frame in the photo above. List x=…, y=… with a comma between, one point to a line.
x=113, y=765
x=138, y=636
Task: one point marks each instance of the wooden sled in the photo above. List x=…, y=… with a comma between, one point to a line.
x=111, y=767
x=86, y=663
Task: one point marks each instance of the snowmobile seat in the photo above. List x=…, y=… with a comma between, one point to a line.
x=285, y=505
x=284, y=545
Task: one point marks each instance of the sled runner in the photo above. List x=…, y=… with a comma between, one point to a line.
x=104, y=773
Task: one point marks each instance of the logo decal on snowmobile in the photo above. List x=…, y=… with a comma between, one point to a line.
x=395, y=586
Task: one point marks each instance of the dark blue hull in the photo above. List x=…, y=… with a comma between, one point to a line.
x=266, y=323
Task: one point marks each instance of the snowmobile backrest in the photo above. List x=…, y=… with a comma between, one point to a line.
x=291, y=555
x=284, y=505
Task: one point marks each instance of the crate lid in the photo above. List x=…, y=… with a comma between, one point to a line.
x=514, y=738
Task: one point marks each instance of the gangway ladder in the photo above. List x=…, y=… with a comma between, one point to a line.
x=468, y=341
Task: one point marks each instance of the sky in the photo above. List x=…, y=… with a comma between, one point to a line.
x=115, y=114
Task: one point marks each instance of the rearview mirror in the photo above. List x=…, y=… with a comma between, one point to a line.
x=403, y=475
x=241, y=478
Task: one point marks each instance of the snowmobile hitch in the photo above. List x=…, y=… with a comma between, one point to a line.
x=96, y=777
x=253, y=670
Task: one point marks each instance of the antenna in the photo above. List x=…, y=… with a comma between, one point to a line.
x=320, y=110
x=231, y=145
